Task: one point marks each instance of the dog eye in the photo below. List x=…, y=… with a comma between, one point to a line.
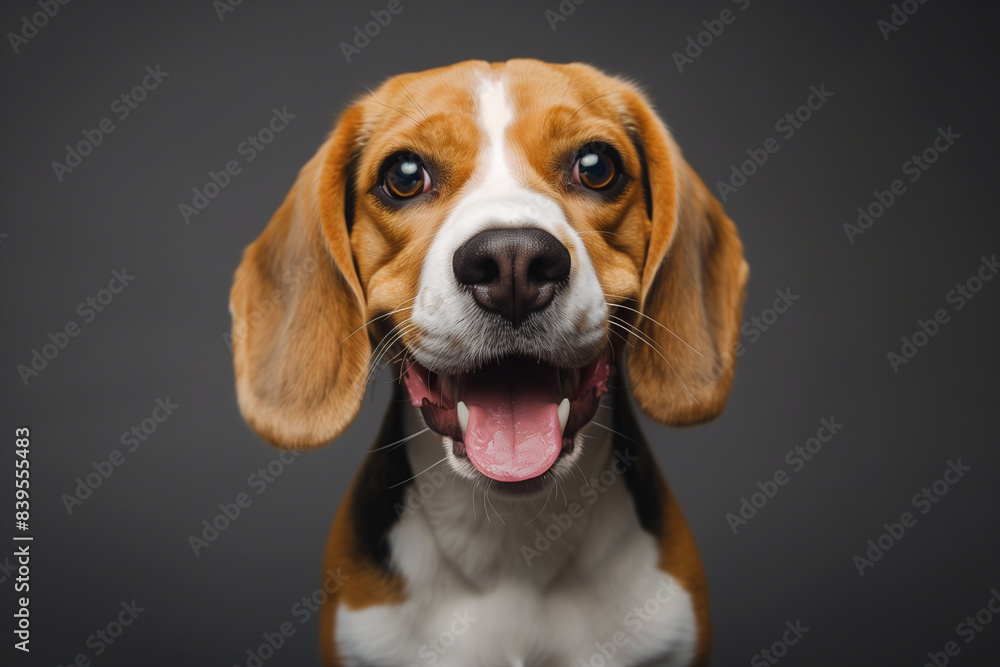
x=595, y=168
x=405, y=177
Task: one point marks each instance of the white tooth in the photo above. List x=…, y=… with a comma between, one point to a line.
x=563, y=411
x=463, y=416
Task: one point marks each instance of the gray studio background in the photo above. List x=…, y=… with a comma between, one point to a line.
x=825, y=357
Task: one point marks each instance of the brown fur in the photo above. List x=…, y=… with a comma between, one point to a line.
x=663, y=246
x=693, y=282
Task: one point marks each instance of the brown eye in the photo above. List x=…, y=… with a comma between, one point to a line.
x=405, y=177
x=594, y=169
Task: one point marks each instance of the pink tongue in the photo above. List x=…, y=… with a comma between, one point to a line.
x=513, y=432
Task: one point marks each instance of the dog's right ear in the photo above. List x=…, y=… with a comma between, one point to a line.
x=693, y=281
x=296, y=301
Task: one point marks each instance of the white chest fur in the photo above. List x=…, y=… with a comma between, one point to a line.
x=565, y=581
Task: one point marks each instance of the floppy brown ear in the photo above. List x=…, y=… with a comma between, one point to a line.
x=296, y=300
x=693, y=283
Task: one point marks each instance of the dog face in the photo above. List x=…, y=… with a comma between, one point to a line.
x=506, y=234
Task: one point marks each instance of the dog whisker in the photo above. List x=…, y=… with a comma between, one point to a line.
x=426, y=236
x=635, y=331
x=380, y=317
x=548, y=496
x=598, y=231
x=593, y=99
x=667, y=362
x=400, y=356
x=389, y=106
x=618, y=433
x=442, y=460
x=386, y=360
x=386, y=344
x=399, y=442
x=569, y=86
x=642, y=314
x=487, y=494
x=410, y=97
x=376, y=353
x=485, y=508
x=624, y=338
x=474, y=500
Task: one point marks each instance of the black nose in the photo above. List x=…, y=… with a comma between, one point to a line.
x=513, y=272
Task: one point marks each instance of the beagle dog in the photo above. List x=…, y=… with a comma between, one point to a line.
x=523, y=244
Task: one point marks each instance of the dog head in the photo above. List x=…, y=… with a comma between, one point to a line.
x=504, y=234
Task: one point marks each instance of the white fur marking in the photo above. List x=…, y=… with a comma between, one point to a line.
x=541, y=588
x=496, y=197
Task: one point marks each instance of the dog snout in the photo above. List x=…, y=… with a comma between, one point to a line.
x=512, y=272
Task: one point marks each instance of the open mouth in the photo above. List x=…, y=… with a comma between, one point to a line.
x=513, y=417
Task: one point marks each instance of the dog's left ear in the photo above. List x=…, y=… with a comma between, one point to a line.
x=692, y=287
x=296, y=301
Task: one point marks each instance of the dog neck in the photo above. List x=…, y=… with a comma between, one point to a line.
x=489, y=537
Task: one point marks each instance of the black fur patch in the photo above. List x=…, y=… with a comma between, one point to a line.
x=647, y=192
x=375, y=499
x=643, y=479
x=351, y=193
x=374, y=503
